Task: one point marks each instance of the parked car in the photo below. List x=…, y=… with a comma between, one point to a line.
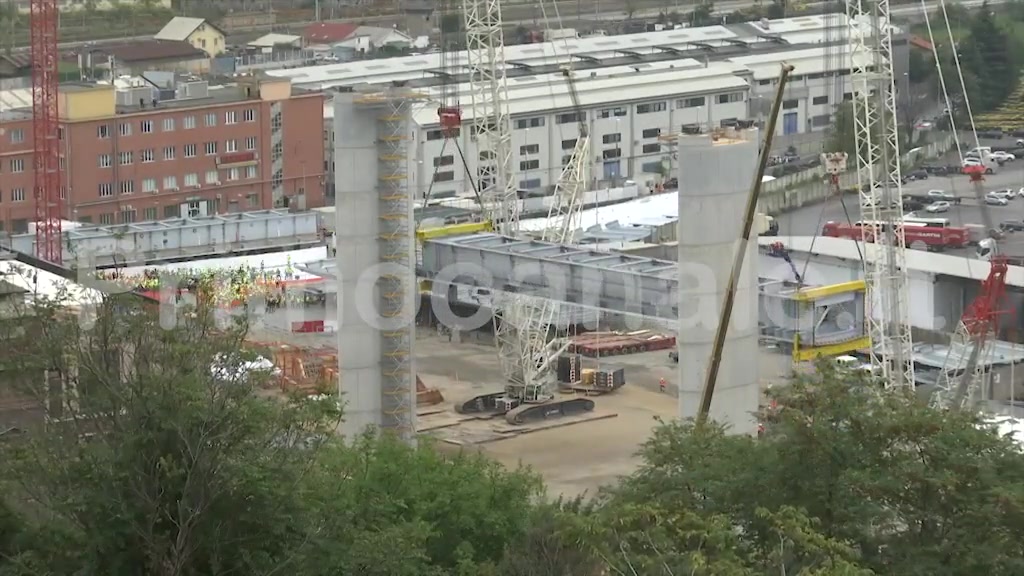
x=938, y=207
x=935, y=170
x=937, y=195
x=1012, y=226
x=975, y=162
x=1008, y=193
x=992, y=200
x=914, y=175
x=1001, y=156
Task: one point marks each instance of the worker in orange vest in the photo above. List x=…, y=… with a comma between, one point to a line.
x=662, y=384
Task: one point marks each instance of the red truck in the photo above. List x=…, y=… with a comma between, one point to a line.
x=917, y=235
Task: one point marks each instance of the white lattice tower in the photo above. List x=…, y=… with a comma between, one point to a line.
x=879, y=180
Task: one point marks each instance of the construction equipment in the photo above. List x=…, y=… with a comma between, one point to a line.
x=725, y=316
x=47, y=193
x=879, y=183
x=597, y=344
x=959, y=381
x=779, y=250
x=522, y=321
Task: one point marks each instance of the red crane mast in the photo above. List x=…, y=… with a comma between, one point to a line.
x=45, y=129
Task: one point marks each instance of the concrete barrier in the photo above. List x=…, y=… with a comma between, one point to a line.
x=809, y=187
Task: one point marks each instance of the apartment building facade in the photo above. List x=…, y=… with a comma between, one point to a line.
x=130, y=158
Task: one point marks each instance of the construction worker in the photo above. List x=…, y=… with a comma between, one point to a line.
x=663, y=385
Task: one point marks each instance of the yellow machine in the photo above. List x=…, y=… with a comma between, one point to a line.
x=443, y=231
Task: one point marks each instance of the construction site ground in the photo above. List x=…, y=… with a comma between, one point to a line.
x=574, y=455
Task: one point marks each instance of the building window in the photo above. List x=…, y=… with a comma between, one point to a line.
x=569, y=144
x=146, y=155
x=250, y=143
x=106, y=190
x=211, y=119
x=651, y=107
x=18, y=195
x=63, y=192
x=819, y=100
x=127, y=215
x=651, y=148
x=250, y=172
x=612, y=113
x=766, y=82
x=192, y=179
x=61, y=162
x=211, y=148
x=612, y=153
x=107, y=218
x=730, y=97
x=529, y=149
x=127, y=186
x=529, y=165
x=571, y=117
x=168, y=127
x=18, y=165
x=531, y=184
x=149, y=185
x=444, y=161
x=231, y=146
x=106, y=161
x=212, y=177
x=231, y=117
x=169, y=153
x=527, y=123
x=566, y=159
x=612, y=138
x=233, y=174
x=149, y=214
x=651, y=167
x=17, y=136
x=125, y=158
x=253, y=200
x=821, y=120
x=170, y=182
x=146, y=126
x=249, y=115
x=189, y=122
x=190, y=150
x=790, y=104
x=125, y=129
x=444, y=176
x=103, y=131
x=434, y=135
x=652, y=133
x=695, y=102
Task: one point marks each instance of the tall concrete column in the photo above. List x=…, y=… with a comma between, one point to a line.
x=356, y=227
x=714, y=183
x=375, y=262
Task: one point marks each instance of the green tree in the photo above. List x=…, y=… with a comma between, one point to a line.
x=703, y=14
x=844, y=481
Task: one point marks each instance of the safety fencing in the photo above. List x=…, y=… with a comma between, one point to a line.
x=796, y=190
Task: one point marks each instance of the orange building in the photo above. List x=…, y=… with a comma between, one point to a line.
x=167, y=147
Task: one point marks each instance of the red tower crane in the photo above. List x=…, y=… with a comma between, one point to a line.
x=45, y=129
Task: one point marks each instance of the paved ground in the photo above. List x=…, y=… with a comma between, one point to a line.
x=805, y=221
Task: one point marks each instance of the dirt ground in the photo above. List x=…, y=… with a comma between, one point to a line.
x=574, y=458
x=579, y=458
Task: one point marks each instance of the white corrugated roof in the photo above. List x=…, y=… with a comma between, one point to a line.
x=15, y=99
x=806, y=61
x=635, y=87
x=554, y=52
x=179, y=28
x=274, y=39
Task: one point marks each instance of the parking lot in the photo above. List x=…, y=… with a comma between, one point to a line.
x=807, y=220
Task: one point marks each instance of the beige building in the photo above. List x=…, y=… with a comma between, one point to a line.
x=71, y=5
x=198, y=32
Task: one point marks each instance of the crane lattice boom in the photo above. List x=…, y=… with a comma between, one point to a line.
x=880, y=181
x=43, y=17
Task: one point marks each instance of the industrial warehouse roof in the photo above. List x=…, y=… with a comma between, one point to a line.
x=916, y=260
x=642, y=86
x=603, y=50
x=806, y=61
